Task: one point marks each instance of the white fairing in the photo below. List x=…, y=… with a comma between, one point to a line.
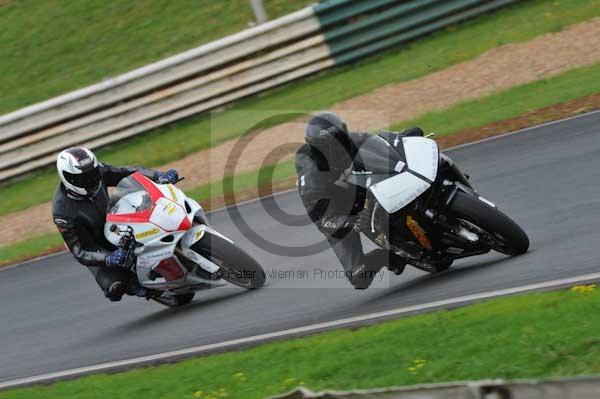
x=191, y=237
x=167, y=215
x=422, y=156
x=161, y=234
x=398, y=191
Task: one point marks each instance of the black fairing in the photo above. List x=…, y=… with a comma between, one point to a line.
x=377, y=156
x=374, y=162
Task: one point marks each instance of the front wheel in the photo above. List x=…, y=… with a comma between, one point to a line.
x=507, y=236
x=237, y=267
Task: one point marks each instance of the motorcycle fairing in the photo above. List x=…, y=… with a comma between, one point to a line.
x=194, y=235
x=169, y=216
x=376, y=156
x=395, y=171
x=398, y=191
x=422, y=156
x=161, y=216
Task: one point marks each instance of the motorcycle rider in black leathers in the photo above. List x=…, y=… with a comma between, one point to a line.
x=79, y=211
x=339, y=212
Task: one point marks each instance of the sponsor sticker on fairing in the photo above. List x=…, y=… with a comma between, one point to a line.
x=147, y=233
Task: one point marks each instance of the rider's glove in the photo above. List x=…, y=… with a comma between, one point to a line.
x=116, y=259
x=170, y=176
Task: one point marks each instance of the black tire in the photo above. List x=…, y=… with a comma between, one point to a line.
x=237, y=267
x=176, y=301
x=510, y=237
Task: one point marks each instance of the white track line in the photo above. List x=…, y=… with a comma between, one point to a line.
x=198, y=350
x=500, y=136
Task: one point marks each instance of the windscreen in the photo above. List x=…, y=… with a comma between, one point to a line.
x=377, y=156
x=129, y=197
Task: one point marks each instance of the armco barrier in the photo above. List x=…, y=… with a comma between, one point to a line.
x=207, y=77
x=559, y=388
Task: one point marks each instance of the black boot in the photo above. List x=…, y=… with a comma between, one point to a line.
x=135, y=289
x=115, y=292
x=363, y=274
x=396, y=264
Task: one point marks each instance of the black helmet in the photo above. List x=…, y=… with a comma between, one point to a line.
x=327, y=133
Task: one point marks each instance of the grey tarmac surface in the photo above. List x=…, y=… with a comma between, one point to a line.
x=53, y=317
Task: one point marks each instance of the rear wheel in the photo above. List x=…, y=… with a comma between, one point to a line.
x=237, y=267
x=505, y=235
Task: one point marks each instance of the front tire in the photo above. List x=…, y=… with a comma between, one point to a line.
x=237, y=267
x=509, y=237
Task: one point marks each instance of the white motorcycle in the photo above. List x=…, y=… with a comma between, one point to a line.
x=169, y=245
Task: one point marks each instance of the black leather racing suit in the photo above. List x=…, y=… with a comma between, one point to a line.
x=81, y=224
x=331, y=207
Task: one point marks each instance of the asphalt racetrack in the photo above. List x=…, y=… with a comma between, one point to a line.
x=54, y=317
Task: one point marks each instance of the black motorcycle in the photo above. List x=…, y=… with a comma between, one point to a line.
x=423, y=208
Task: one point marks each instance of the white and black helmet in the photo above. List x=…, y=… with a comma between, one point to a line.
x=79, y=171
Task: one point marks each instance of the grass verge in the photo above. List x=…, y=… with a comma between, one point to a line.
x=511, y=103
x=522, y=106
x=99, y=39
x=32, y=247
x=517, y=23
x=527, y=336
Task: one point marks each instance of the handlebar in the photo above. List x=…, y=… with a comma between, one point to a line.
x=127, y=243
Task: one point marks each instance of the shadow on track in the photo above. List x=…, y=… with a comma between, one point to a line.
x=172, y=314
x=417, y=284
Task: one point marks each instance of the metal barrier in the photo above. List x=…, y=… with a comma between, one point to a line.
x=559, y=388
x=212, y=75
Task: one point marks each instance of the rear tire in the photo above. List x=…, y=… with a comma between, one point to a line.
x=509, y=236
x=237, y=267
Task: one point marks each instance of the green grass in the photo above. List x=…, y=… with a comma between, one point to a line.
x=511, y=103
x=52, y=47
x=33, y=246
x=527, y=336
x=517, y=23
x=243, y=181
